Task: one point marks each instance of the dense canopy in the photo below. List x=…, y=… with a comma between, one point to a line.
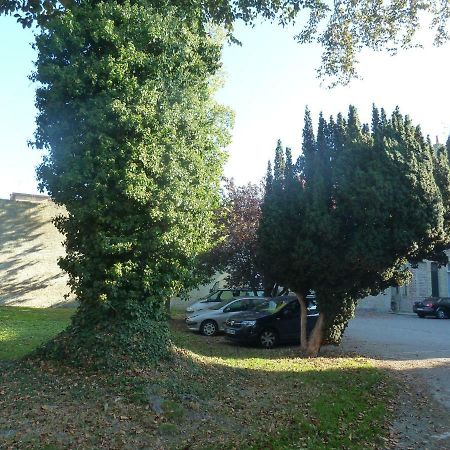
x=341, y=27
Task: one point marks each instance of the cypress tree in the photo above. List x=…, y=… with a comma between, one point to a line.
x=371, y=201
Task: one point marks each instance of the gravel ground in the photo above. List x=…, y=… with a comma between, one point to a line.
x=417, y=352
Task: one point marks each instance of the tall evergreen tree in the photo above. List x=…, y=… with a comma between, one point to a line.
x=372, y=201
x=447, y=146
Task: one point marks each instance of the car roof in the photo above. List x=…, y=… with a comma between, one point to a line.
x=227, y=302
x=238, y=289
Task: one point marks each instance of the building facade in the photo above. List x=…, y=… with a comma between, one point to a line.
x=428, y=280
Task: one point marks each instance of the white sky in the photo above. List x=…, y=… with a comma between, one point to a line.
x=269, y=82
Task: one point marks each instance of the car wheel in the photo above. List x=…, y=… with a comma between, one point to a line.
x=421, y=315
x=268, y=339
x=209, y=328
x=441, y=314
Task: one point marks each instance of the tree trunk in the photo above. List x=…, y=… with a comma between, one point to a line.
x=316, y=338
x=167, y=306
x=303, y=319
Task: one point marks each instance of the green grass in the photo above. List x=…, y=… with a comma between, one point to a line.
x=23, y=329
x=209, y=395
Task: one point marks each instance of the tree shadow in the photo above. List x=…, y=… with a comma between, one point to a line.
x=29, y=248
x=221, y=346
x=243, y=403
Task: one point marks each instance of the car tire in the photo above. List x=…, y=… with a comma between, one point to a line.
x=421, y=315
x=441, y=314
x=209, y=328
x=268, y=339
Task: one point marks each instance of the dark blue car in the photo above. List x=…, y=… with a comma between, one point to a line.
x=274, y=321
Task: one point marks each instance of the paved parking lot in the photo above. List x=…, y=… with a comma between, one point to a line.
x=418, y=351
x=420, y=346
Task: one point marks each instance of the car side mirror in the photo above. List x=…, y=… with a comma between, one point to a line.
x=226, y=310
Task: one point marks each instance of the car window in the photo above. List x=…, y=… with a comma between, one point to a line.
x=215, y=297
x=240, y=305
x=227, y=295
x=252, y=304
x=219, y=305
x=291, y=309
x=271, y=306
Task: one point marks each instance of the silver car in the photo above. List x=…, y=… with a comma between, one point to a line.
x=220, y=296
x=209, y=322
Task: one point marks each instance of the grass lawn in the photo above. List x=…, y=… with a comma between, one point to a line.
x=209, y=395
x=23, y=329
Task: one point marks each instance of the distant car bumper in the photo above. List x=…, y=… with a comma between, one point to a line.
x=244, y=334
x=192, y=325
x=424, y=310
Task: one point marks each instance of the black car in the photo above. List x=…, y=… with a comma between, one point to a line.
x=437, y=307
x=272, y=322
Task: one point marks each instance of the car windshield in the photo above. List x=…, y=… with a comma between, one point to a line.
x=272, y=305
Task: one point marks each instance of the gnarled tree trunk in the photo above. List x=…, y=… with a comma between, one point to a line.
x=303, y=322
x=316, y=338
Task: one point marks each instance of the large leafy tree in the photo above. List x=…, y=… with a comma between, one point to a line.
x=237, y=221
x=372, y=200
x=134, y=154
x=342, y=27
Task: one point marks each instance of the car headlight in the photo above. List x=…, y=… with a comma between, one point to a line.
x=189, y=309
x=248, y=323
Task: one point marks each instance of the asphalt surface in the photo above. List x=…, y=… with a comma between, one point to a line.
x=418, y=351
x=419, y=346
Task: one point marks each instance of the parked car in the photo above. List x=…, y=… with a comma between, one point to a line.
x=437, y=307
x=274, y=321
x=220, y=296
x=210, y=321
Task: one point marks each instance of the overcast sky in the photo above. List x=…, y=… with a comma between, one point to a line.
x=269, y=81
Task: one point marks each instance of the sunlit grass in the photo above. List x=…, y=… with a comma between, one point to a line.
x=23, y=329
x=213, y=395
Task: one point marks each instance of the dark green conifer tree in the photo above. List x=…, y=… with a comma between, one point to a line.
x=372, y=201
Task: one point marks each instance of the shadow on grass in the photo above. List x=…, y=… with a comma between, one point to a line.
x=221, y=346
x=202, y=403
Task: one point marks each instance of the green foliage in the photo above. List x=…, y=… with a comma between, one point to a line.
x=237, y=221
x=369, y=202
x=134, y=154
x=343, y=28
x=281, y=219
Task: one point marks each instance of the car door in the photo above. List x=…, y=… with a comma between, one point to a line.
x=233, y=309
x=288, y=322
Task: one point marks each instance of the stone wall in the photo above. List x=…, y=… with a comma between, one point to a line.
x=402, y=298
x=30, y=246
x=32, y=198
